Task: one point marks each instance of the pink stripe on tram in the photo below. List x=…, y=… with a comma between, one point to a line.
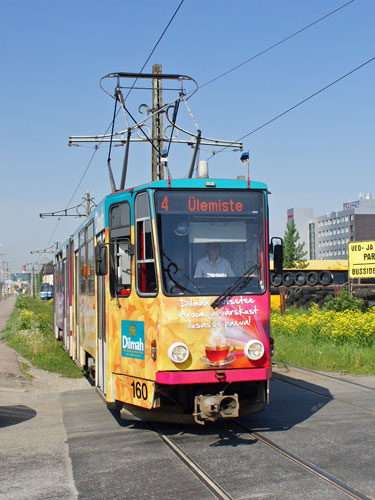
x=204, y=377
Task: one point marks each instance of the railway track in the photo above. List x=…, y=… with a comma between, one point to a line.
x=331, y=377
x=313, y=469
x=203, y=477
x=301, y=385
x=232, y=460
x=220, y=493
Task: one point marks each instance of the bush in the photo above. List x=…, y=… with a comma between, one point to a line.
x=337, y=327
x=344, y=303
x=326, y=339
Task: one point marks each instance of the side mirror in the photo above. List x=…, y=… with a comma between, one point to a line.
x=101, y=260
x=278, y=255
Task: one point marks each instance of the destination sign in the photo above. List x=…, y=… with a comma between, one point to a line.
x=209, y=202
x=361, y=259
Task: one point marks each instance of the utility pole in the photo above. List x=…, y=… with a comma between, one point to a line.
x=157, y=125
x=32, y=277
x=5, y=275
x=2, y=277
x=5, y=270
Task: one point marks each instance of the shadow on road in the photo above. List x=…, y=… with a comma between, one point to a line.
x=292, y=402
x=15, y=414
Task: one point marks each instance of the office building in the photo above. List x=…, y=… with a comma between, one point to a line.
x=327, y=236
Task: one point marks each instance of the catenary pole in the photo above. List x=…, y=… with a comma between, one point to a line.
x=157, y=124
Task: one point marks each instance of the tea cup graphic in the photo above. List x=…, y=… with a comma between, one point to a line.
x=219, y=353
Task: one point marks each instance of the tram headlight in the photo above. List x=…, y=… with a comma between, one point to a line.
x=254, y=349
x=178, y=352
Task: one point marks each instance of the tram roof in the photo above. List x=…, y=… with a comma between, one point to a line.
x=204, y=183
x=100, y=210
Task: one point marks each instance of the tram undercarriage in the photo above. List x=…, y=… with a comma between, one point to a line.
x=201, y=403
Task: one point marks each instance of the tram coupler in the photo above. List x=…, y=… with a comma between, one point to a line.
x=215, y=407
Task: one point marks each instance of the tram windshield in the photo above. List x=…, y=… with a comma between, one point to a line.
x=210, y=241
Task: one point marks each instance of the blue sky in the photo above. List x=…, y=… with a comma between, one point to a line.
x=53, y=55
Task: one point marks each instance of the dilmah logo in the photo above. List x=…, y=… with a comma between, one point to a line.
x=132, y=330
x=132, y=339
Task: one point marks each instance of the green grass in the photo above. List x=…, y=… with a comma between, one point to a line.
x=35, y=305
x=25, y=369
x=324, y=356
x=29, y=332
x=337, y=337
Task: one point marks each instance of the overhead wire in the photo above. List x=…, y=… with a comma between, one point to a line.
x=155, y=46
x=143, y=67
x=141, y=129
x=76, y=189
x=295, y=106
x=221, y=76
x=226, y=72
x=112, y=122
x=267, y=50
x=276, y=44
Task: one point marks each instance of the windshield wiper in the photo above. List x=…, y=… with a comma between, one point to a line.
x=240, y=283
x=169, y=268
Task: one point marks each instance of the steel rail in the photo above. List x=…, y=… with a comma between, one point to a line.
x=203, y=477
x=321, y=374
x=280, y=376
x=313, y=469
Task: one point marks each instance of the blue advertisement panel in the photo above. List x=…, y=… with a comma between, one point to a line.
x=133, y=339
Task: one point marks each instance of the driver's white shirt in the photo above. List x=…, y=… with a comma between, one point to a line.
x=206, y=269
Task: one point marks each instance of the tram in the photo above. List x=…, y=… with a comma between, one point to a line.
x=46, y=291
x=164, y=337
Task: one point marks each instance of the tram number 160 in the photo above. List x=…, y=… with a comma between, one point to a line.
x=140, y=390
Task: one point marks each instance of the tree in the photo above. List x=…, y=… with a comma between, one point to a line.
x=293, y=251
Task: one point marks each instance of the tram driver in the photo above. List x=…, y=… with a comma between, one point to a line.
x=212, y=265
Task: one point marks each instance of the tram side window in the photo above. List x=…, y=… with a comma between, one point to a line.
x=86, y=260
x=57, y=278
x=146, y=272
x=120, y=250
x=90, y=259
x=82, y=262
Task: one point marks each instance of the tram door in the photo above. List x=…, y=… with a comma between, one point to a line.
x=67, y=300
x=76, y=305
x=65, y=303
x=102, y=343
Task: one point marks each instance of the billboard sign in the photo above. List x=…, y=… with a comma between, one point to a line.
x=361, y=259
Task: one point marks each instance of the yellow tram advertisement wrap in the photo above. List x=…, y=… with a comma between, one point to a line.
x=164, y=299
x=192, y=322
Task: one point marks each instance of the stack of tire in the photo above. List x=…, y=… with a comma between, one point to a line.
x=300, y=297
x=368, y=294
x=303, y=287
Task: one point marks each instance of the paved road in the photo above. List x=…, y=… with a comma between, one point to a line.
x=59, y=441
x=67, y=445
x=34, y=455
